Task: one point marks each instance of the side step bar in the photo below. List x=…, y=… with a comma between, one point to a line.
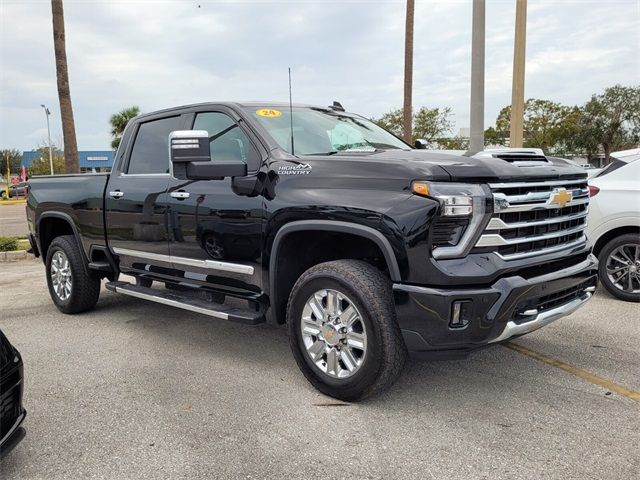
x=171, y=298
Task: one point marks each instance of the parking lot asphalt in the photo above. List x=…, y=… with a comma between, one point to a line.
x=139, y=390
x=13, y=221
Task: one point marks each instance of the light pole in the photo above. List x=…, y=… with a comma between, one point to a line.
x=47, y=113
x=517, y=89
x=476, y=136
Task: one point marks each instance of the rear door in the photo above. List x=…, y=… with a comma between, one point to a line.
x=216, y=234
x=136, y=201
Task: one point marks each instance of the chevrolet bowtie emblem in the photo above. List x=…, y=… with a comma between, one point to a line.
x=560, y=197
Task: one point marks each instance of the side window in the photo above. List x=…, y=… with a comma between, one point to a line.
x=227, y=141
x=150, y=149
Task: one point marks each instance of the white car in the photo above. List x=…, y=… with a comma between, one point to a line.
x=614, y=224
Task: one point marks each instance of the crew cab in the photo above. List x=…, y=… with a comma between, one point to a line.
x=311, y=216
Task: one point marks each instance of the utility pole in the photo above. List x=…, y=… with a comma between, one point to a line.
x=476, y=137
x=408, y=73
x=47, y=113
x=517, y=90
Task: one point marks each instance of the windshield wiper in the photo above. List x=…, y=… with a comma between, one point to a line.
x=332, y=152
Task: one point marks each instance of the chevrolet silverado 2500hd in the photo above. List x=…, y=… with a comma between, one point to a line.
x=366, y=248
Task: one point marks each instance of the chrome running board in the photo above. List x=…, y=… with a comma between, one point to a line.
x=173, y=299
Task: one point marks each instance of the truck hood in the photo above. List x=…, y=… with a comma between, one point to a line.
x=464, y=169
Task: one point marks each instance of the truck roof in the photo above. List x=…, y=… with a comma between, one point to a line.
x=244, y=104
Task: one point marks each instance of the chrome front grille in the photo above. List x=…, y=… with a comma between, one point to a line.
x=533, y=218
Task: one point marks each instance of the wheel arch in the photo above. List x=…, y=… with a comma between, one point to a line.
x=54, y=224
x=279, y=292
x=611, y=234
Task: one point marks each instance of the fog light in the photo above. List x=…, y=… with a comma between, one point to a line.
x=460, y=314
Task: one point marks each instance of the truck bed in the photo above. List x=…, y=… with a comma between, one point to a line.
x=79, y=197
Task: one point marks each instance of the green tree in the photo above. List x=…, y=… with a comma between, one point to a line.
x=392, y=122
x=610, y=120
x=119, y=121
x=14, y=157
x=432, y=123
x=453, y=143
x=429, y=124
x=544, y=124
x=494, y=137
x=40, y=166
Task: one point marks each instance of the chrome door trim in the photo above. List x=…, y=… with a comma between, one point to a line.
x=192, y=262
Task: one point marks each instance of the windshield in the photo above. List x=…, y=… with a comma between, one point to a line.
x=318, y=131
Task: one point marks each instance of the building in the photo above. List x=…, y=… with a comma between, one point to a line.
x=90, y=160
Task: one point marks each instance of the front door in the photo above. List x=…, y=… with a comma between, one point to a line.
x=215, y=234
x=136, y=200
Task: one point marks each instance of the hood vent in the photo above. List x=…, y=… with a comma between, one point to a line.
x=522, y=158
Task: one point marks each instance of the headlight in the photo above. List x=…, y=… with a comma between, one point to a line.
x=463, y=215
x=457, y=199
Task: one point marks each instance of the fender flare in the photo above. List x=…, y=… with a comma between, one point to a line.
x=331, y=226
x=67, y=218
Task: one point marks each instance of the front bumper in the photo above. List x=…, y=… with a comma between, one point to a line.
x=511, y=307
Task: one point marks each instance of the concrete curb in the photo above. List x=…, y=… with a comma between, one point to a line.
x=12, y=202
x=14, y=256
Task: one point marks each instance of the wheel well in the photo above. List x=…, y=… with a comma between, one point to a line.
x=50, y=228
x=301, y=250
x=616, y=232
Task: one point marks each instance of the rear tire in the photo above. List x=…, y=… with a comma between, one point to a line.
x=621, y=256
x=72, y=286
x=346, y=358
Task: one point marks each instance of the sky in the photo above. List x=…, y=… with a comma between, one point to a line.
x=164, y=53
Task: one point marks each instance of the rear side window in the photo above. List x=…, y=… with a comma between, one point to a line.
x=150, y=149
x=227, y=141
x=612, y=167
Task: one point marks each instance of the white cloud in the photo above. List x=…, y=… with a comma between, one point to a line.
x=163, y=53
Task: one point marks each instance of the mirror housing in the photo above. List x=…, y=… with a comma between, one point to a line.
x=189, y=146
x=420, y=144
x=191, y=158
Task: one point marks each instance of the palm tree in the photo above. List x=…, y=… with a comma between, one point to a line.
x=408, y=71
x=72, y=163
x=119, y=121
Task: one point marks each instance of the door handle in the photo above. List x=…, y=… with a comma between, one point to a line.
x=116, y=194
x=180, y=194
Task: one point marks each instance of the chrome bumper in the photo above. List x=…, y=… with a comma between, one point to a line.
x=545, y=318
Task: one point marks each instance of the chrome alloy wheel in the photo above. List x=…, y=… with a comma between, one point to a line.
x=61, y=275
x=334, y=333
x=623, y=267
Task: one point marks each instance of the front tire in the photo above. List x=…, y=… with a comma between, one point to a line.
x=343, y=330
x=72, y=286
x=619, y=267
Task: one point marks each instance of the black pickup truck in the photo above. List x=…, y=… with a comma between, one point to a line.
x=364, y=246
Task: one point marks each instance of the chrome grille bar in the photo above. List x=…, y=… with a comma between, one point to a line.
x=539, y=196
x=543, y=251
x=554, y=183
x=496, y=240
x=524, y=234
x=499, y=224
x=501, y=204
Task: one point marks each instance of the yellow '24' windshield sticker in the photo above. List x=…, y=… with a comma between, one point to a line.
x=268, y=112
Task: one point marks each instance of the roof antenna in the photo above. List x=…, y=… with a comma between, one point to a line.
x=291, y=113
